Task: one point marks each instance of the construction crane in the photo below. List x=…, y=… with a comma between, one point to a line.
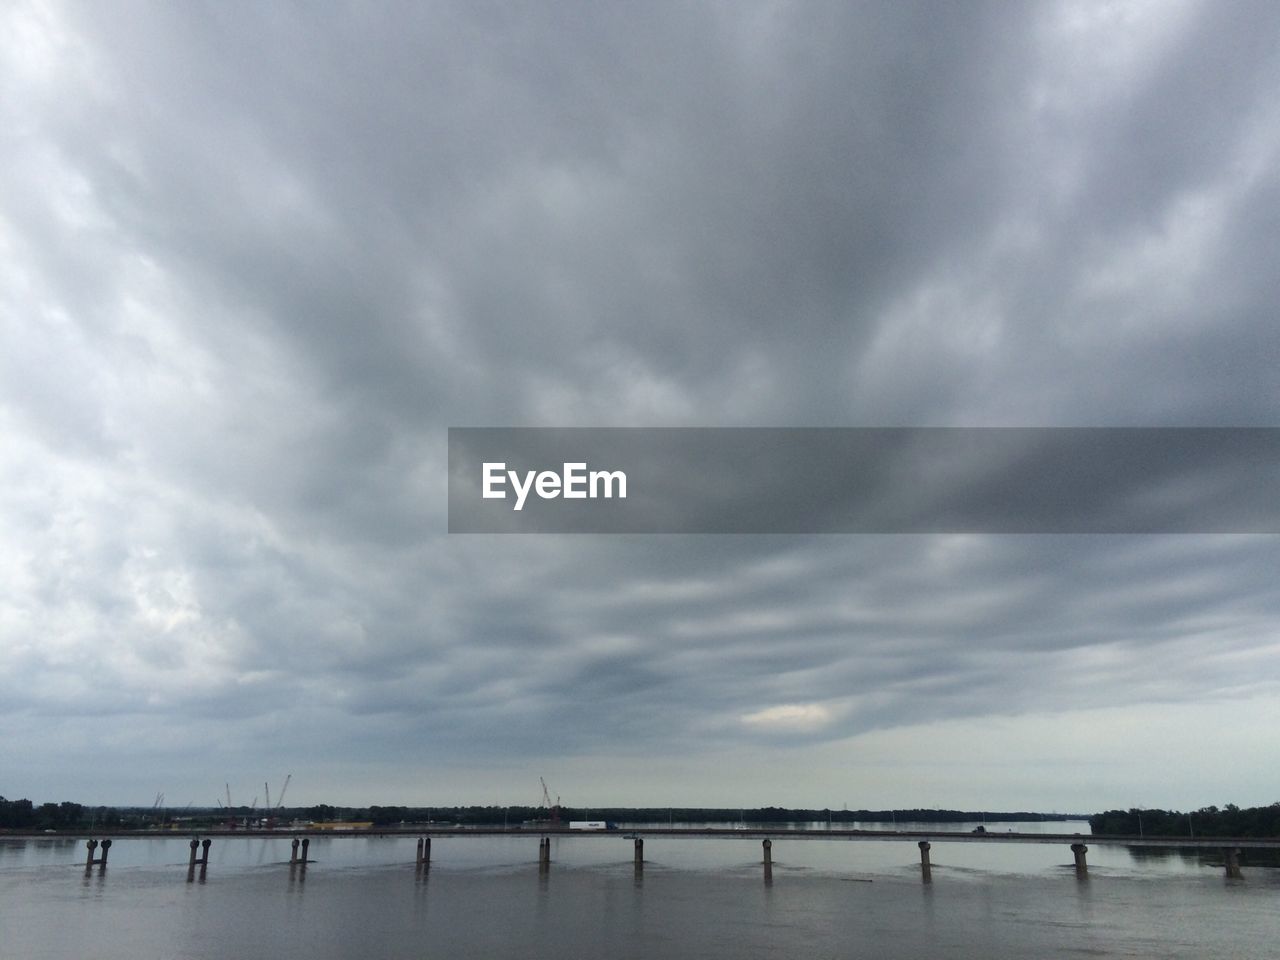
x=272, y=808
x=553, y=810
x=280, y=799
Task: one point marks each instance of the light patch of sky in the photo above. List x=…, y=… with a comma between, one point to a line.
x=790, y=717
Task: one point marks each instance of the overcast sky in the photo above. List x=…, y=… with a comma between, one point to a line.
x=256, y=259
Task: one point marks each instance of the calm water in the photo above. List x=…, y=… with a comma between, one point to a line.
x=484, y=897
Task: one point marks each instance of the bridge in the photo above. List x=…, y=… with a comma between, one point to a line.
x=1229, y=848
x=757, y=833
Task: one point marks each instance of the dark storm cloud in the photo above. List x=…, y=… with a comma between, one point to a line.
x=257, y=262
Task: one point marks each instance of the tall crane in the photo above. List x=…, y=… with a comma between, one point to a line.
x=553, y=810
x=280, y=799
x=271, y=810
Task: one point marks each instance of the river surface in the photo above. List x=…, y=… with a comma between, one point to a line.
x=485, y=897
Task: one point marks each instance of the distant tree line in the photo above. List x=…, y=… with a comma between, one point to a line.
x=23, y=815
x=1229, y=821
x=491, y=815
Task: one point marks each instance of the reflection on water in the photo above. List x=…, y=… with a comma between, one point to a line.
x=1196, y=857
x=487, y=897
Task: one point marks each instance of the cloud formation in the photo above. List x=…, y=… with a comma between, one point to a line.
x=258, y=261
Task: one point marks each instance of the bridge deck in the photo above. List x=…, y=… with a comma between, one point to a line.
x=748, y=833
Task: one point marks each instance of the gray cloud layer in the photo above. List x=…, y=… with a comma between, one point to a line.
x=257, y=262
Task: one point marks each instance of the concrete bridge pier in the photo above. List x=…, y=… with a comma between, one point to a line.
x=926, y=871
x=544, y=853
x=422, y=859
x=90, y=860
x=1082, y=866
x=298, y=860
x=1231, y=856
x=202, y=861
